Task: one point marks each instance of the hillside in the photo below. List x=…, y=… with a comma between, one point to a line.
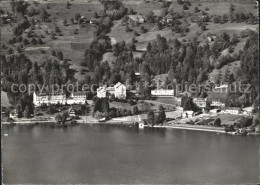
x=89, y=33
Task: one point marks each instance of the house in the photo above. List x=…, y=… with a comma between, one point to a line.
x=200, y=102
x=137, y=19
x=13, y=114
x=217, y=104
x=101, y=92
x=169, y=18
x=79, y=97
x=57, y=98
x=93, y=21
x=120, y=91
x=40, y=98
x=187, y=114
x=162, y=93
x=231, y=110
x=71, y=112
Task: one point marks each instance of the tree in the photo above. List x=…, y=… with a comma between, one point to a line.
x=27, y=112
x=149, y=47
x=203, y=27
x=25, y=42
x=53, y=35
x=33, y=41
x=185, y=6
x=231, y=78
x=95, y=15
x=217, y=122
x=64, y=117
x=256, y=121
x=53, y=53
x=135, y=110
x=43, y=15
x=65, y=22
x=150, y=117
x=58, y=118
x=162, y=115
x=196, y=9
x=60, y=55
x=142, y=29
x=77, y=16
x=127, y=29
x=40, y=41
x=179, y=1
x=68, y=5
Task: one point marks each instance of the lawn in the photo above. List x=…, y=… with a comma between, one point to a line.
x=219, y=8
x=142, y=7
x=221, y=72
x=171, y=101
x=228, y=119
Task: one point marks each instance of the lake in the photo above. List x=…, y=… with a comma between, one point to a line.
x=122, y=154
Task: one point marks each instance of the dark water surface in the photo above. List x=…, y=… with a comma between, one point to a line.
x=120, y=154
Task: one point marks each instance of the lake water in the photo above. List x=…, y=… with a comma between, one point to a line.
x=122, y=154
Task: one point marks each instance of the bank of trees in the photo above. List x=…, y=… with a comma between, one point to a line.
x=156, y=119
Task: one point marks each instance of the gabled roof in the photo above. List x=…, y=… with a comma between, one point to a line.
x=101, y=88
x=118, y=85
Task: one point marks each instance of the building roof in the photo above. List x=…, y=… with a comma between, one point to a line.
x=200, y=99
x=46, y=93
x=118, y=85
x=231, y=108
x=101, y=88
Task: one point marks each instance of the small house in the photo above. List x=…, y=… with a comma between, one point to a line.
x=136, y=18
x=120, y=91
x=231, y=110
x=101, y=92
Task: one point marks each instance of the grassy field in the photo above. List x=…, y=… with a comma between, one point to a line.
x=219, y=8
x=221, y=72
x=171, y=101
x=228, y=119
x=73, y=45
x=141, y=7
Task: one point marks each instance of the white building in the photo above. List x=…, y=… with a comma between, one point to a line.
x=217, y=104
x=163, y=93
x=57, y=98
x=120, y=91
x=77, y=98
x=200, y=102
x=137, y=18
x=232, y=110
x=101, y=92
x=13, y=115
x=49, y=98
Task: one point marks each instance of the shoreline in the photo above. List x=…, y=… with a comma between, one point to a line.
x=183, y=127
x=175, y=126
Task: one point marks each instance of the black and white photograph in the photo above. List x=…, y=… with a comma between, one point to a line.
x=130, y=92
